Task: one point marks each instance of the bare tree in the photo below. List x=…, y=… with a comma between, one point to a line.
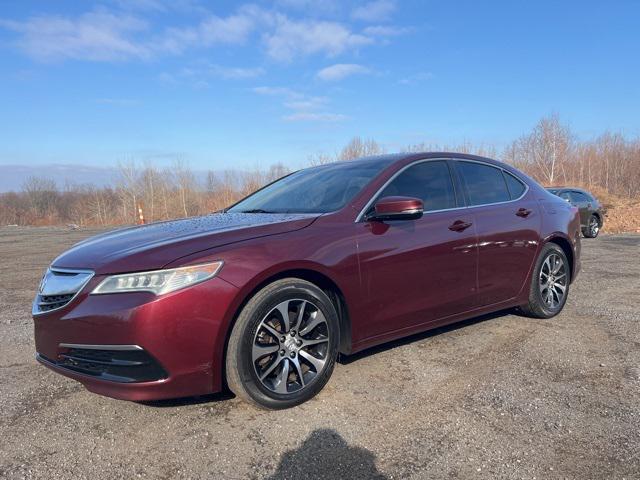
x=185, y=184
x=551, y=153
x=358, y=147
x=545, y=151
x=42, y=194
x=128, y=187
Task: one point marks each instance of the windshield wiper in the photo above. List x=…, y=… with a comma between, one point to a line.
x=256, y=210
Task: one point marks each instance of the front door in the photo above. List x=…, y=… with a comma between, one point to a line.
x=418, y=271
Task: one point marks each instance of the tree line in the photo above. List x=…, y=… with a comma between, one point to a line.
x=551, y=153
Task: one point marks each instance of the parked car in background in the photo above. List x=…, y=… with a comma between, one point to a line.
x=591, y=212
x=331, y=259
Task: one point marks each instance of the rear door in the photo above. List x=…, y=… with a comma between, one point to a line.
x=507, y=222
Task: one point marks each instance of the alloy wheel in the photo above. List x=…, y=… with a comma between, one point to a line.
x=594, y=226
x=290, y=347
x=553, y=281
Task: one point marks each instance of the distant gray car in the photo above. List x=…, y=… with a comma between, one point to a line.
x=591, y=211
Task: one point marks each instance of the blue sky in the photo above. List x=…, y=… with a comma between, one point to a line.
x=231, y=84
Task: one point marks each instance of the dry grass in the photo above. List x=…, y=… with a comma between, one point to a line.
x=622, y=215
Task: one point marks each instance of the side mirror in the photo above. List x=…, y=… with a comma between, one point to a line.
x=397, y=208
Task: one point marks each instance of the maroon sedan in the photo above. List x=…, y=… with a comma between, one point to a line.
x=332, y=259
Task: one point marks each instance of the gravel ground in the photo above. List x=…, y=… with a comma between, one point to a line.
x=497, y=397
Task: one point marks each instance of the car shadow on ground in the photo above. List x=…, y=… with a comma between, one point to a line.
x=325, y=455
x=347, y=359
x=181, y=402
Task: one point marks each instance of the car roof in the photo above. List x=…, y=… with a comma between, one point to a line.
x=392, y=158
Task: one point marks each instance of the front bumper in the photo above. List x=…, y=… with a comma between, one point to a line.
x=136, y=346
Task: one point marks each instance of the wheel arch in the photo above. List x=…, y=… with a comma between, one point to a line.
x=567, y=248
x=328, y=286
x=312, y=275
x=598, y=215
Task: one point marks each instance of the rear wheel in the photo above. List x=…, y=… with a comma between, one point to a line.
x=284, y=345
x=549, y=283
x=593, y=227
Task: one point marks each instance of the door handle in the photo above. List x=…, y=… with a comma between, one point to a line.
x=523, y=212
x=459, y=226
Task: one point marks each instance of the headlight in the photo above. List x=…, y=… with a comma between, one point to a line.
x=158, y=281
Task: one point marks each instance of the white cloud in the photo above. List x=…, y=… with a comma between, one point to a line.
x=315, y=117
x=234, y=73
x=341, y=70
x=200, y=75
x=234, y=29
x=276, y=91
x=102, y=35
x=105, y=36
x=376, y=11
x=385, y=31
x=292, y=39
x=310, y=103
x=97, y=36
x=416, y=78
x=294, y=100
x=304, y=107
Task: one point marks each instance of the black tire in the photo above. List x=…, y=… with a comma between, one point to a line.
x=593, y=227
x=255, y=329
x=539, y=305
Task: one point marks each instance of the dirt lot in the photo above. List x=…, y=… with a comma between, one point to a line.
x=503, y=396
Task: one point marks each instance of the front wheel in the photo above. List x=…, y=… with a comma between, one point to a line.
x=284, y=345
x=549, y=283
x=593, y=227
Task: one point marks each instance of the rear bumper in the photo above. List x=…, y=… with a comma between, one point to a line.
x=179, y=339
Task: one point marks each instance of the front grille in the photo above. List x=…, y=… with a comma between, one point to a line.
x=52, y=302
x=59, y=287
x=125, y=366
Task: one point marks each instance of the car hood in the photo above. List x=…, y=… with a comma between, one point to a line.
x=152, y=246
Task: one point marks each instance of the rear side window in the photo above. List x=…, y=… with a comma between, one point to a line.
x=515, y=186
x=484, y=184
x=579, y=197
x=429, y=181
x=565, y=196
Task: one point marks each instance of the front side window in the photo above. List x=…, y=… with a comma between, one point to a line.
x=429, y=181
x=565, y=196
x=485, y=184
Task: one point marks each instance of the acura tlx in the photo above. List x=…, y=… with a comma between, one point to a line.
x=262, y=297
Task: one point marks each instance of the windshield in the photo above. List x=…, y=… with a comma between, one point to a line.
x=314, y=190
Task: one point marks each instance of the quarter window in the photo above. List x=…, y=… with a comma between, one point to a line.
x=516, y=187
x=429, y=181
x=485, y=184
